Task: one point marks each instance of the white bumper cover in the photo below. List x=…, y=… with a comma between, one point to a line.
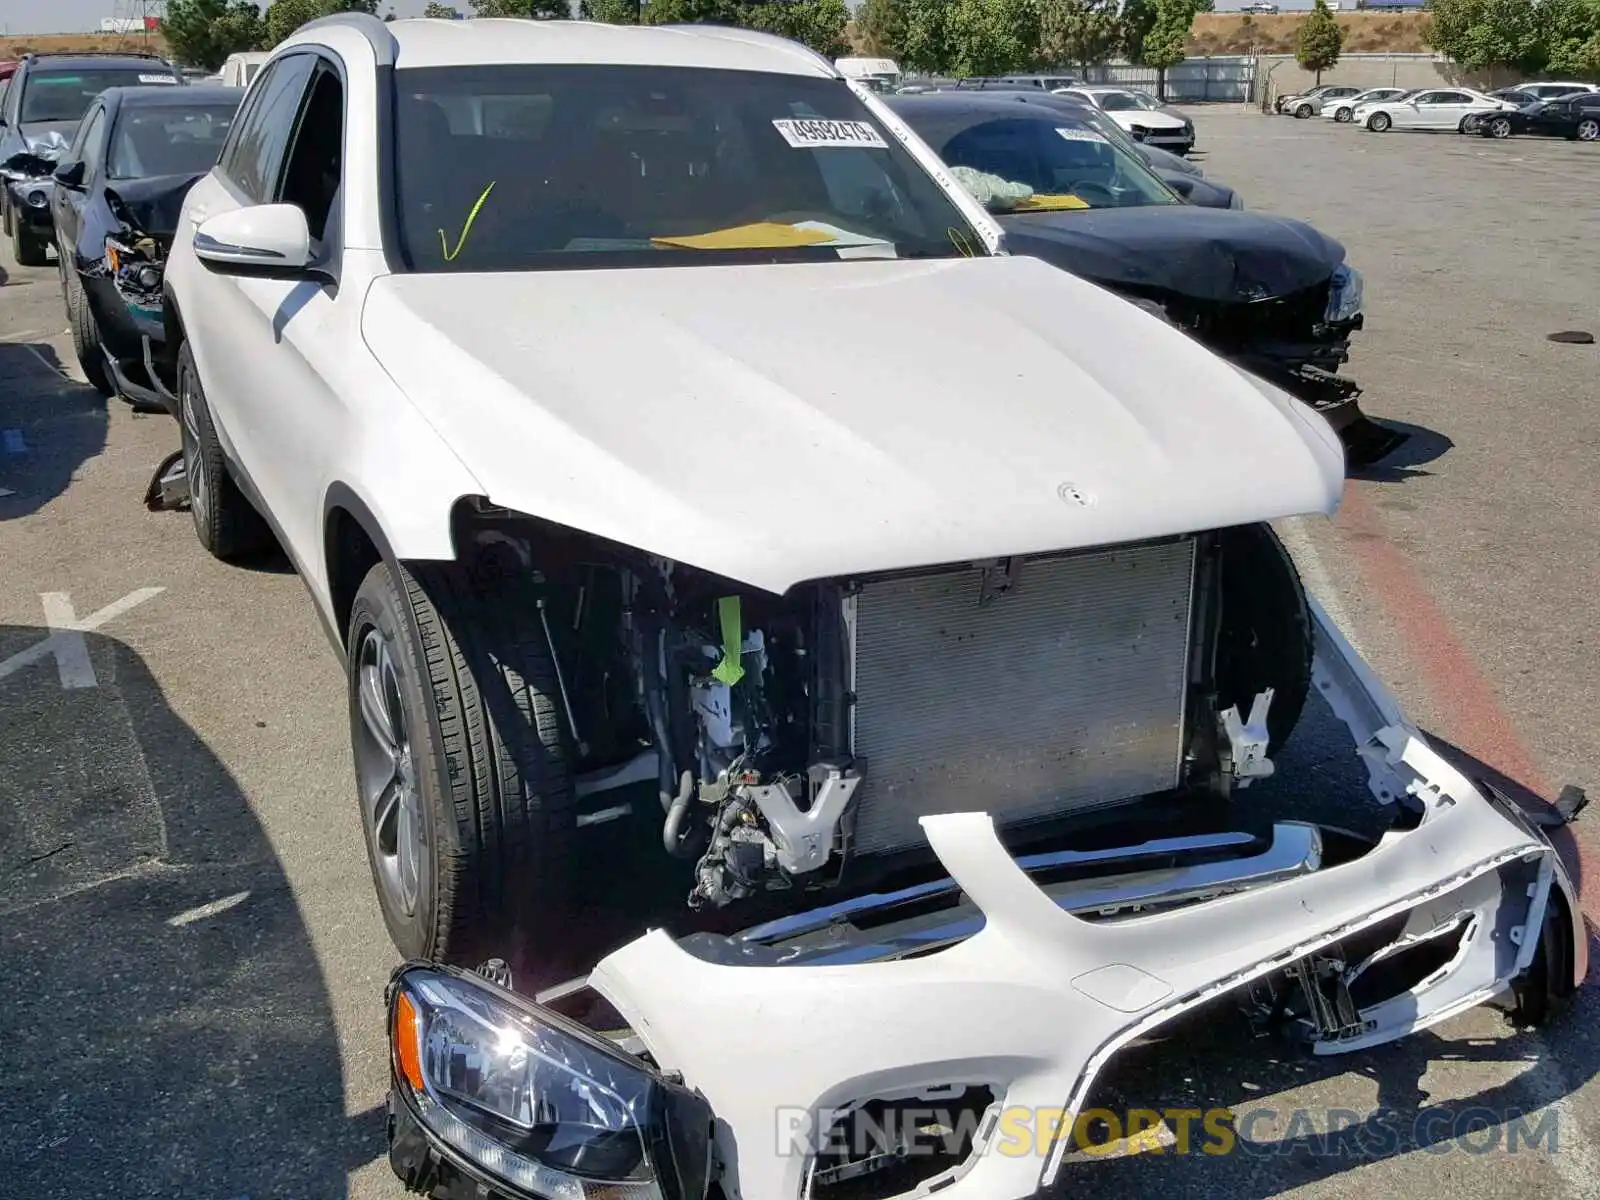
x=1035, y=1003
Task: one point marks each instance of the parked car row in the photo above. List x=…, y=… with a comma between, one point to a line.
x=1553, y=109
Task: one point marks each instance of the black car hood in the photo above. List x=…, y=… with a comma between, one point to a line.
x=1219, y=255
x=151, y=205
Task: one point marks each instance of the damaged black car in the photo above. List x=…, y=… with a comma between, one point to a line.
x=1272, y=295
x=118, y=192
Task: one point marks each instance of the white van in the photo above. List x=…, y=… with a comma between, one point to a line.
x=240, y=69
x=880, y=74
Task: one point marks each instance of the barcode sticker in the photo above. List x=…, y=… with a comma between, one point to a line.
x=814, y=134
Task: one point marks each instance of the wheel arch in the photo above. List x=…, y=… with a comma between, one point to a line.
x=353, y=542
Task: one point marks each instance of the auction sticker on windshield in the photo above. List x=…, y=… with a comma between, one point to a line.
x=817, y=134
x=1081, y=135
x=157, y=79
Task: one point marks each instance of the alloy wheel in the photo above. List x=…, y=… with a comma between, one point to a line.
x=387, y=776
x=1500, y=127
x=194, y=459
x=1589, y=130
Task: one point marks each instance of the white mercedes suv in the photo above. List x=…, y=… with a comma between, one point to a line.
x=738, y=561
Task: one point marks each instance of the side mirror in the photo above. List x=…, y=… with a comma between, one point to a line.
x=1182, y=184
x=70, y=174
x=264, y=241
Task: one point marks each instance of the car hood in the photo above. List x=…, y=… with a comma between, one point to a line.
x=48, y=139
x=1164, y=160
x=1149, y=118
x=1217, y=255
x=151, y=205
x=779, y=423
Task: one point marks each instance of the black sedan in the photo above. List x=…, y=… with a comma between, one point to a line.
x=118, y=192
x=1576, y=117
x=1270, y=294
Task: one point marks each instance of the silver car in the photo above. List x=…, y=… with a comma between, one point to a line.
x=1310, y=103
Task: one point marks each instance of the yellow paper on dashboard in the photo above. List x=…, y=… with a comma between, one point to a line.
x=763, y=235
x=1038, y=203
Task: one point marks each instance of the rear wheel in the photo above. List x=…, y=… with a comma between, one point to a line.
x=1589, y=130
x=461, y=765
x=224, y=520
x=1379, y=122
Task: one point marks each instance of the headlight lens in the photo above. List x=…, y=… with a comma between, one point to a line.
x=534, y=1101
x=38, y=198
x=1345, y=295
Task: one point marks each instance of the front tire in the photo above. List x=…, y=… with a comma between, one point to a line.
x=26, y=247
x=1498, y=127
x=1343, y=115
x=1302, y=112
x=461, y=764
x=86, y=335
x=1379, y=122
x=1589, y=130
x=224, y=520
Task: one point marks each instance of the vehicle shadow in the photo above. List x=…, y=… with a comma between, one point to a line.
x=168, y=1031
x=50, y=425
x=1408, y=460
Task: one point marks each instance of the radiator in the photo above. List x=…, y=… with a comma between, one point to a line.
x=1064, y=694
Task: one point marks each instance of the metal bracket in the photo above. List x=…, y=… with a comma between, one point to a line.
x=1000, y=576
x=1247, y=741
x=804, y=839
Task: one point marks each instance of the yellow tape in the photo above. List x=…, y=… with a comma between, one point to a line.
x=444, y=245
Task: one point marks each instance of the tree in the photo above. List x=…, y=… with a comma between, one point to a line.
x=925, y=44
x=1086, y=32
x=1528, y=36
x=992, y=37
x=689, y=12
x=883, y=27
x=1320, y=41
x=444, y=12
x=1138, y=18
x=539, y=10
x=285, y=16
x=1166, y=45
x=202, y=33
x=817, y=23
x=612, y=12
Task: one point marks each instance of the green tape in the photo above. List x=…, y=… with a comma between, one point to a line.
x=731, y=669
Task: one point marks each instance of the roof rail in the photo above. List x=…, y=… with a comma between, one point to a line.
x=368, y=26
x=95, y=54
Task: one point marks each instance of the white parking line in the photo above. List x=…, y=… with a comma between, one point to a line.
x=66, y=641
x=201, y=912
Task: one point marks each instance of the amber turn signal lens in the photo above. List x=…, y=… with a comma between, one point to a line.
x=407, y=1035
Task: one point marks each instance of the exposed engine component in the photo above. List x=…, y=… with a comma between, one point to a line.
x=791, y=735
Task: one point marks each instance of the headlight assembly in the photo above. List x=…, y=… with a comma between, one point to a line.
x=1344, y=294
x=524, y=1101
x=38, y=198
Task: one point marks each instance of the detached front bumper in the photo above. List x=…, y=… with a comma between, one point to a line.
x=1006, y=990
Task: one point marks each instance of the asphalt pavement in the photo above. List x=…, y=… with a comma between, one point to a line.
x=192, y=956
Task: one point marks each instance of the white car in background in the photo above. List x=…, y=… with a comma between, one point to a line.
x=1343, y=109
x=1437, y=108
x=1144, y=117
x=1555, y=90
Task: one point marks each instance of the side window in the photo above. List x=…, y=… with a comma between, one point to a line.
x=312, y=171
x=91, y=140
x=254, y=157
x=5, y=86
x=1454, y=98
x=1430, y=98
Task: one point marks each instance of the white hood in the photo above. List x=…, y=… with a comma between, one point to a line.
x=775, y=424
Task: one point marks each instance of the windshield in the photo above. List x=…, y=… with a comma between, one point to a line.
x=1119, y=102
x=1033, y=165
x=505, y=168
x=168, y=141
x=1146, y=101
x=65, y=95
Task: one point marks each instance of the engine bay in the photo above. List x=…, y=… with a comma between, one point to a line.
x=795, y=742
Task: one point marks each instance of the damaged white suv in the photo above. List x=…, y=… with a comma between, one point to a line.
x=814, y=647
